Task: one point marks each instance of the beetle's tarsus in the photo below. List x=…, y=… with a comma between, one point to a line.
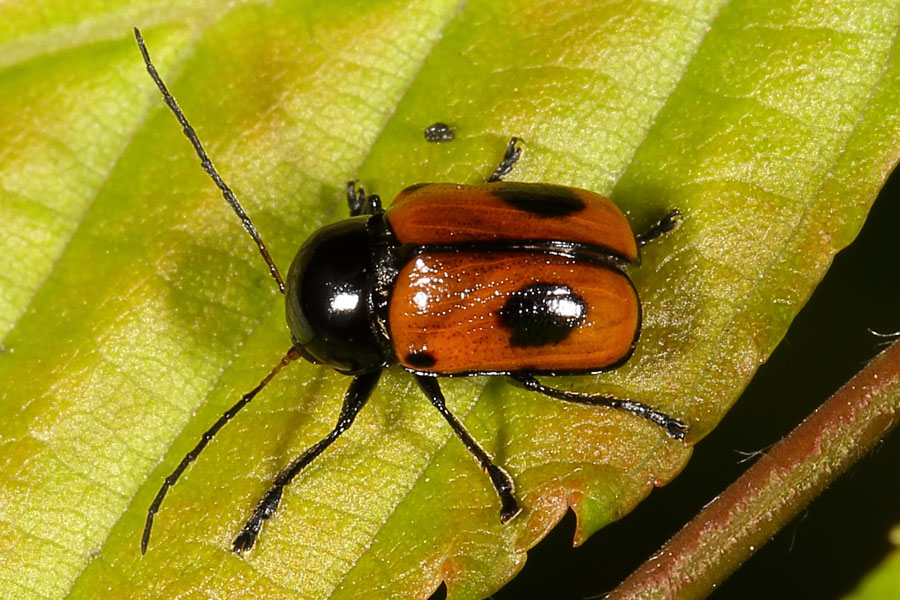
x=509, y=508
x=510, y=157
x=676, y=429
x=669, y=222
x=265, y=509
x=361, y=203
x=245, y=539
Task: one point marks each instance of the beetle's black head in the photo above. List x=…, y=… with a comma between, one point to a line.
x=329, y=302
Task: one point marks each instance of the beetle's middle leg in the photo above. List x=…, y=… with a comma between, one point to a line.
x=501, y=480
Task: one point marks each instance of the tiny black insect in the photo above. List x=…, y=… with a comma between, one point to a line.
x=439, y=132
x=534, y=284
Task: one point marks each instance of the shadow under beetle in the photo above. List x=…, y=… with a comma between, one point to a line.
x=502, y=278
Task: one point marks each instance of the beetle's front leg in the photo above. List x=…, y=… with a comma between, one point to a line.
x=660, y=228
x=510, y=157
x=360, y=203
x=358, y=393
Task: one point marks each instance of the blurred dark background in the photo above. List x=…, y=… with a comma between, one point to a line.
x=823, y=553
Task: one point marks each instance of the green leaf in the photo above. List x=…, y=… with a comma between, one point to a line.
x=884, y=580
x=135, y=310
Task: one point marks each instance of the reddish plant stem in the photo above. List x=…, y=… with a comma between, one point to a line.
x=775, y=489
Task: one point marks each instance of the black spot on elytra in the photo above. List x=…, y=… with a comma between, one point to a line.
x=542, y=313
x=421, y=360
x=540, y=199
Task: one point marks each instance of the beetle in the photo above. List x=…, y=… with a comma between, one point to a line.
x=501, y=278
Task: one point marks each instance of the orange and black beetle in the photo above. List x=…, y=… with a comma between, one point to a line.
x=515, y=279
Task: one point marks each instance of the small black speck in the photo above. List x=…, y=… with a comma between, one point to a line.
x=420, y=359
x=542, y=199
x=439, y=132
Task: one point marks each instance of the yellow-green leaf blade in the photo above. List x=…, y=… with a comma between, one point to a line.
x=883, y=581
x=161, y=315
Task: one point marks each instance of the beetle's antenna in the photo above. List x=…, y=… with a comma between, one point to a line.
x=206, y=163
x=292, y=355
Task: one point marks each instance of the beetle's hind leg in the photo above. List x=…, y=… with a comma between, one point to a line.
x=673, y=427
x=510, y=157
x=501, y=480
x=357, y=394
x=360, y=203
